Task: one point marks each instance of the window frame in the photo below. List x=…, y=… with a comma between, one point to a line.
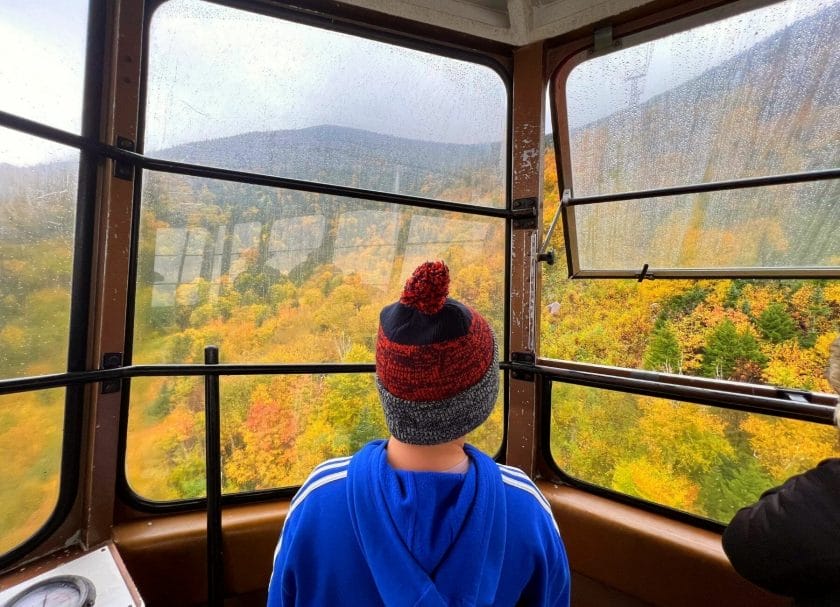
x=819, y=410
x=603, y=44
x=124, y=489
x=75, y=403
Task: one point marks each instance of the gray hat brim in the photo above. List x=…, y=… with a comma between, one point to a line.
x=441, y=421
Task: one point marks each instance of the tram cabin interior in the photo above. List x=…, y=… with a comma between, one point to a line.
x=204, y=204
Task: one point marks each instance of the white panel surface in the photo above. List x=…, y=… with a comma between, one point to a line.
x=99, y=567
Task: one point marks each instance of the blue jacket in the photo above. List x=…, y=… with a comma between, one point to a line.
x=362, y=533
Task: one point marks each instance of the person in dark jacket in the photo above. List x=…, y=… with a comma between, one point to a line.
x=423, y=519
x=789, y=541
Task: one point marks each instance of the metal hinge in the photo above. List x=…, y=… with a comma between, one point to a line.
x=111, y=360
x=525, y=213
x=603, y=41
x=524, y=359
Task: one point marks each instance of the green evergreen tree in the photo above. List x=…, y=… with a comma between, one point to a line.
x=727, y=350
x=775, y=324
x=732, y=485
x=737, y=480
x=663, y=352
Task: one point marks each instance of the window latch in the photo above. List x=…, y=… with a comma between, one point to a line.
x=523, y=359
x=124, y=169
x=797, y=396
x=602, y=39
x=111, y=360
x=645, y=274
x=525, y=213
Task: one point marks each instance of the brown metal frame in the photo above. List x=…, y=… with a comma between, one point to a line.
x=121, y=94
x=526, y=182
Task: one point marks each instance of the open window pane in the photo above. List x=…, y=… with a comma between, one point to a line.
x=239, y=90
x=706, y=461
x=272, y=275
x=755, y=94
x=275, y=429
x=773, y=332
x=42, y=59
x=752, y=95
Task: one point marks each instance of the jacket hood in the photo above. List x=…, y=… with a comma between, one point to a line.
x=430, y=539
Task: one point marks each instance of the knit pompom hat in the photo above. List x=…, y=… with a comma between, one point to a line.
x=437, y=364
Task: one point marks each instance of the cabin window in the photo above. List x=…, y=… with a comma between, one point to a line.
x=748, y=96
x=239, y=90
x=672, y=114
x=278, y=274
x=42, y=54
x=702, y=460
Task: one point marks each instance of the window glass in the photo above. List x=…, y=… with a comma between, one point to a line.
x=31, y=428
x=281, y=276
x=706, y=461
x=275, y=429
x=37, y=224
x=764, y=331
x=42, y=57
x=695, y=458
x=746, y=96
x=42, y=51
x=239, y=90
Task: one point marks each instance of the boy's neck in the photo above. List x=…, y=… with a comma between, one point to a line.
x=425, y=458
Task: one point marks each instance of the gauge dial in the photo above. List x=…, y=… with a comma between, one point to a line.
x=57, y=591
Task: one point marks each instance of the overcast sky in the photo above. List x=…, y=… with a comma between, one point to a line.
x=217, y=71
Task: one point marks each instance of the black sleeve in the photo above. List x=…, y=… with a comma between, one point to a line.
x=789, y=541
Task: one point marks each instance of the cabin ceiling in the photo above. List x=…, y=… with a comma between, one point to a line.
x=515, y=22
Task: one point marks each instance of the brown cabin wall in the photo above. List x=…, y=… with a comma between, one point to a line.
x=620, y=556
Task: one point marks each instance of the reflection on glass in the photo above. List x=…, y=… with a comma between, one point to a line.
x=292, y=240
x=277, y=276
x=746, y=96
x=37, y=224
x=239, y=90
x=702, y=460
x=275, y=429
x=31, y=429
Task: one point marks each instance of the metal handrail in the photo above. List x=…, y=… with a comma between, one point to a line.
x=136, y=159
x=722, y=399
x=719, y=398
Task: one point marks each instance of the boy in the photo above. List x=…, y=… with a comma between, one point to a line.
x=423, y=519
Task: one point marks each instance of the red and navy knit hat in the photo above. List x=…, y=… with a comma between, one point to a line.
x=437, y=364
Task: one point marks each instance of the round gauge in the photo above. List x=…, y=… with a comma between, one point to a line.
x=56, y=591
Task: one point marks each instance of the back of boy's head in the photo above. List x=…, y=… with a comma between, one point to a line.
x=436, y=362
